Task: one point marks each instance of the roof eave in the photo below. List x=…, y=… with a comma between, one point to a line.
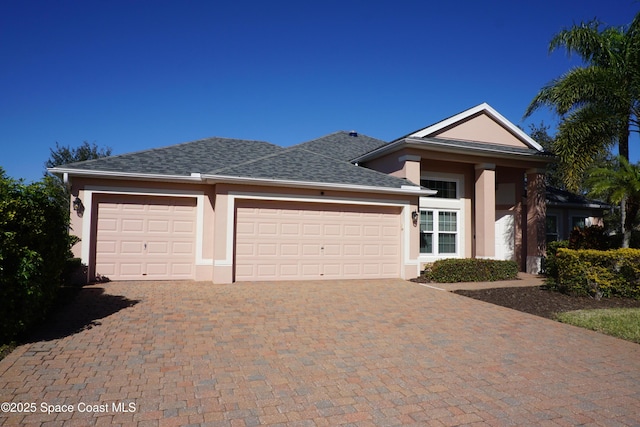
x=419, y=143
x=405, y=189
x=489, y=150
x=88, y=173
x=213, y=179
x=578, y=205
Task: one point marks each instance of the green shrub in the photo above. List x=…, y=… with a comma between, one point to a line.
x=471, y=270
x=599, y=273
x=550, y=264
x=34, y=244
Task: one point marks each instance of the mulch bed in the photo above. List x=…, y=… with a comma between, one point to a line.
x=543, y=302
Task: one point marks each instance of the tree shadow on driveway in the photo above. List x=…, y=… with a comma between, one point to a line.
x=83, y=312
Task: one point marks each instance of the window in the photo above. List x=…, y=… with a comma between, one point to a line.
x=579, y=222
x=441, y=234
x=446, y=189
x=552, y=228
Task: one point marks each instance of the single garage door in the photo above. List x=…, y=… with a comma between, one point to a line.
x=146, y=238
x=293, y=241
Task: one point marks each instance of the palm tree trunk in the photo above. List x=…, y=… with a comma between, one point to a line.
x=626, y=232
x=623, y=150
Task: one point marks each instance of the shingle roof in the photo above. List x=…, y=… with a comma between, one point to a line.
x=343, y=145
x=299, y=164
x=200, y=156
x=322, y=161
x=556, y=196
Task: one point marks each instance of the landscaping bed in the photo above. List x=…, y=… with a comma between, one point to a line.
x=543, y=302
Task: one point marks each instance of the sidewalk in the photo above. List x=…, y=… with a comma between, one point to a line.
x=523, y=280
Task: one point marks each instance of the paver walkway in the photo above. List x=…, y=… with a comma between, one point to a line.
x=359, y=353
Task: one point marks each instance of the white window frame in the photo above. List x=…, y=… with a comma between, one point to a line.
x=439, y=204
x=436, y=232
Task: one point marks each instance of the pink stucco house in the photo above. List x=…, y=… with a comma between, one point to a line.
x=341, y=206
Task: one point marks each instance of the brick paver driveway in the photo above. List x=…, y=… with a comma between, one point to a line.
x=366, y=353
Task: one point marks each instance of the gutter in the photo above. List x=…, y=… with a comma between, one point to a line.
x=197, y=178
x=68, y=172
x=404, y=189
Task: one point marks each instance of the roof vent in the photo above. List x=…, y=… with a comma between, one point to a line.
x=353, y=133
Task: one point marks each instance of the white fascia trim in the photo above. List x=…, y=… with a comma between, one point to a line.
x=472, y=111
x=231, y=207
x=194, y=177
x=413, y=190
x=90, y=190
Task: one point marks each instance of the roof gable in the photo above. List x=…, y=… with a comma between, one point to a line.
x=342, y=145
x=479, y=124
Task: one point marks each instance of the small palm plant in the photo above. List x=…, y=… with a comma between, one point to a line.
x=619, y=183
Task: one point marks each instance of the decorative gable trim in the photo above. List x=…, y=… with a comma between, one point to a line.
x=482, y=108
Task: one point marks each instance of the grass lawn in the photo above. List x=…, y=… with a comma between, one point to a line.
x=619, y=322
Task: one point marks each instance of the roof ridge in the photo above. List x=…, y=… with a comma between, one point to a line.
x=283, y=149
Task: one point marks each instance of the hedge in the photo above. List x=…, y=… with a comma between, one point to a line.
x=454, y=270
x=34, y=246
x=599, y=273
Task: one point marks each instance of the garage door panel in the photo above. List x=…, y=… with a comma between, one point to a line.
x=130, y=248
x=267, y=271
x=372, y=250
x=107, y=247
x=288, y=271
x=267, y=249
x=108, y=225
x=326, y=241
x=245, y=250
x=332, y=250
x=352, y=250
x=158, y=226
x=287, y=249
x=332, y=230
x=132, y=225
x=312, y=230
x=290, y=229
x=182, y=248
x=311, y=250
x=141, y=237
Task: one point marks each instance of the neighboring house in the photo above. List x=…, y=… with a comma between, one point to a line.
x=341, y=206
x=566, y=211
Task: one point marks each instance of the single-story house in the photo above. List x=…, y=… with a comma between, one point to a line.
x=567, y=210
x=341, y=206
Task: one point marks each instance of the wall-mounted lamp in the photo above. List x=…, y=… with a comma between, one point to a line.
x=414, y=217
x=78, y=206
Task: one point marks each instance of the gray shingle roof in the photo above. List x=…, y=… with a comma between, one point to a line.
x=556, y=196
x=299, y=164
x=323, y=161
x=200, y=156
x=342, y=145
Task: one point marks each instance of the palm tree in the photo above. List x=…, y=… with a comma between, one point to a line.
x=599, y=103
x=618, y=183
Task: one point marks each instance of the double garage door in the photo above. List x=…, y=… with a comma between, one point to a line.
x=294, y=241
x=146, y=238
x=154, y=238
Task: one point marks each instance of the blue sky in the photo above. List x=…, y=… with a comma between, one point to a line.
x=133, y=75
